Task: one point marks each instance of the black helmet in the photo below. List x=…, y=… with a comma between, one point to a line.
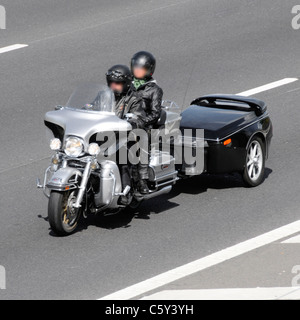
x=119, y=73
x=145, y=60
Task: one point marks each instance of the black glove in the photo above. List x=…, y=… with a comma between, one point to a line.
x=133, y=124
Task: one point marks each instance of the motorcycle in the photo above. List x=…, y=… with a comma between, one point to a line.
x=216, y=134
x=84, y=176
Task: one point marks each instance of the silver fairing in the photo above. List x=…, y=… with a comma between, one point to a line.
x=84, y=124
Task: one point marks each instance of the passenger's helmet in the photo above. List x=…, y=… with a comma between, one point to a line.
x=119, y=73
x=145, y=60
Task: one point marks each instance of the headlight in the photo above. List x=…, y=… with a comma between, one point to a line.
x=55, y=144
x=74, y=147
x=94, y=149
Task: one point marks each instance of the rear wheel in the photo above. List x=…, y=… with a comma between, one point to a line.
x=63, y=217
x=254, y=171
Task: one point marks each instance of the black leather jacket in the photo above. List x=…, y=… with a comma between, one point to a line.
x=131, y=103
x=152, y=96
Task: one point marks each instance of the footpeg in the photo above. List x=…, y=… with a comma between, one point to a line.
x=125, y=191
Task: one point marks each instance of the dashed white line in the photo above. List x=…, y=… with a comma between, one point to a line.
x=13, y=47
x=204, y=263
x=267, y=87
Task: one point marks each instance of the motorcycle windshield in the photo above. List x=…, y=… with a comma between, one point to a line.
x=92, y=97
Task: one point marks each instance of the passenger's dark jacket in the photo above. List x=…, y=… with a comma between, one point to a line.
x=131, y=103
x=152, y=96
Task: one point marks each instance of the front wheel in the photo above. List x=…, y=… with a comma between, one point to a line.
x=254, y=171
x=62, y=215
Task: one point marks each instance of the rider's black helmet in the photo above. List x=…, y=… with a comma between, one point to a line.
x=119, y=73
x=145, y=60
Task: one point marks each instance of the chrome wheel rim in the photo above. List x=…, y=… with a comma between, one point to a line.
x=70, y=213
x=254, y=160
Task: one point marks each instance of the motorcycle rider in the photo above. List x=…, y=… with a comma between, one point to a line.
x=143, y=65
x=119, y=79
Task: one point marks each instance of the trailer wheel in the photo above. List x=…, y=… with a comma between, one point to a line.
x=254, y=171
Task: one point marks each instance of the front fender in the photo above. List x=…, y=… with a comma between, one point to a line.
x=64, y=179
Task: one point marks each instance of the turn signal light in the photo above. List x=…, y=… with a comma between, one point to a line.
x=227, y=142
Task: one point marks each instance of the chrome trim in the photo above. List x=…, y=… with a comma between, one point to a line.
x=82, y=187
x=124, y=193
x=96, y=210
x=167, y=182
x=83, y=143
x=166, y=176
x=57, y=187
x=110, y=169
x=43, y=186
x=169, y=104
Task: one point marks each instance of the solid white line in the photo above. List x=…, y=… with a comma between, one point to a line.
x=267, y=87
x=13, y=47
x=204, y=263
x=293, y=240
x=279, y=293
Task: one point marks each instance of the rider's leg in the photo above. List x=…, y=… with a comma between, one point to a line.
x=125, y=176
x=126, y=181
x=144, y=177
x=143, y=166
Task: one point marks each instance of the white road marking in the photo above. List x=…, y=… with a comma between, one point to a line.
x=279, y=293
x=13, y=47
x=204, y=263
x=293, y=240
x=267, y=87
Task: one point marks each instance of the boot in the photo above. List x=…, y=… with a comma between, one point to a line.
x=143, y=186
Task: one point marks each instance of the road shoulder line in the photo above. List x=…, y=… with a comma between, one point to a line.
x=204, y=263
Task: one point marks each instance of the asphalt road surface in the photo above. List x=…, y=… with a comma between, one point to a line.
x=202, y=47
